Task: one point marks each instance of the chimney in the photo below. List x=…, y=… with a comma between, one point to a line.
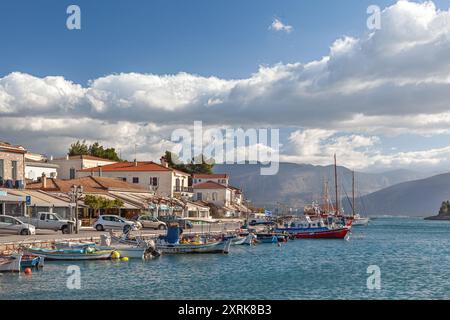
x=135, y=163
x=164, y=162
x=51, y=158
x=67, y=156
x=44, y=181
x=99, y=171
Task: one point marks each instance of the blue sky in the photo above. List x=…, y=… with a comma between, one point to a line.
x=226, y=40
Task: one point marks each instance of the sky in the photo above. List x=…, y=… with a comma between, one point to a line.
x=138, y=70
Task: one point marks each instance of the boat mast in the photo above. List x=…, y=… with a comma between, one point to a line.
x=353, y=192
x=326, y=204
x=336, y=185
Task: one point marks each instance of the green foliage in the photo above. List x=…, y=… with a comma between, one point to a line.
x=81, y=148
x=98, y=202
x=445, y=208
x=197, y=165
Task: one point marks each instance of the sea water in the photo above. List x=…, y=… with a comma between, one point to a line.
x=413, y=257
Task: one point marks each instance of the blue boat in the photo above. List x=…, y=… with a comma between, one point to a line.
x=29, y=261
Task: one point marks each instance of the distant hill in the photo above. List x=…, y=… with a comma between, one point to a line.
x=299, y=184
x=414, y=198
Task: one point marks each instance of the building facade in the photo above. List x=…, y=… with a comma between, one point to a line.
x=69, y=165
x=12, y=166
x=159, y=178
x=221, y=178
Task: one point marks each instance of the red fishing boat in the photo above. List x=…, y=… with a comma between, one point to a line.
x=339, y=233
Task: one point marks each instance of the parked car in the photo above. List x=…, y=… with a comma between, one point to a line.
x=183, y=223
x=12, y=225
x=49, y=221
x=150, y=222
x=111, y=222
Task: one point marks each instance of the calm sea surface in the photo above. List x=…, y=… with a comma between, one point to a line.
x=413, y=255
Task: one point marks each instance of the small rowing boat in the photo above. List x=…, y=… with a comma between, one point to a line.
x=10, y=263
x=70, y=254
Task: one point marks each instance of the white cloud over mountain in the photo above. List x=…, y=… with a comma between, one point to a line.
x=395, y=80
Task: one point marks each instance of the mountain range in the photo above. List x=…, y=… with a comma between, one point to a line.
x=413, y=198
x=296, y=185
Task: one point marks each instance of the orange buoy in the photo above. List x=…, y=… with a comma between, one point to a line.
x=28, y=271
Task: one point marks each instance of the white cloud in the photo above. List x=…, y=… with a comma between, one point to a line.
x=277, y=25
x=395, y=80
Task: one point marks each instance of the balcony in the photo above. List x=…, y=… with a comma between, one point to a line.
x=183, y=189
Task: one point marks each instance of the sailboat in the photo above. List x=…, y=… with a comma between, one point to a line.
x=357, y=220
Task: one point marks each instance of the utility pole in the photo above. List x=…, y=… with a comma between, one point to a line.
x=76, y=193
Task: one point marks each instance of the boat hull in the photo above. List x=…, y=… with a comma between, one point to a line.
x=218, y=247
x=60, y=255
x=32, y=262
x=361, y=222
x=10, y=263
x=324, y=234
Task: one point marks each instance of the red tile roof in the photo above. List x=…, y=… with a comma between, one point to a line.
x=209, y=185
x=210, y=176
x=90, y=184
x=6, y=147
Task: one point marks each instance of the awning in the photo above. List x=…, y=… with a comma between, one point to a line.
x=11, y=198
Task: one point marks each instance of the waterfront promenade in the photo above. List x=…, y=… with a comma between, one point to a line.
x=45, y=238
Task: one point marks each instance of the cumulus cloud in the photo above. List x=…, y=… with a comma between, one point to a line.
x=390, y=81
x=277, y=25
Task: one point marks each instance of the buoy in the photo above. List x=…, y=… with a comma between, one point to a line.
x=115, y=255
x=28, y=271
x=124, y=259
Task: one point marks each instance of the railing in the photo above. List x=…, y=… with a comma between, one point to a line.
x=183, y=189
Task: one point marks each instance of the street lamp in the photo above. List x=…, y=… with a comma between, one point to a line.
x=76, y=192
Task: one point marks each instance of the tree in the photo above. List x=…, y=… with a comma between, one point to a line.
x=445, y=208
x=98, y=202
x=81, y=148
x=197, y=164
x=78, y=148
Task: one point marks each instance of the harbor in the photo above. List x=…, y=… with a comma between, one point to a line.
x=302, y=269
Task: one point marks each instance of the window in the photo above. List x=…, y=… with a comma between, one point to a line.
x=199, y=196
x=154, y=181
x=72, y=173
x=123, y=179
x=214, y=196
x=14, y=170
x=135, y=180
x=2, y=166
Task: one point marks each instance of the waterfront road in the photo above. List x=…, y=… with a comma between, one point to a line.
x=86, y=233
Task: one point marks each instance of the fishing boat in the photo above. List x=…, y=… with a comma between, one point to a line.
x=10, y=263
x=171, y=244
x=34, y=262
x=88, y=253
x=314, y=229
x=238, y=240
x=271, y=237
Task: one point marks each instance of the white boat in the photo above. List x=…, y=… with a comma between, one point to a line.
x=70, y=254
x=10, y=263
x=222, y=246
x=360, y=221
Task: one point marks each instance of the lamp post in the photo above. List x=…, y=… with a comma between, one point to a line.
x=76, y=192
